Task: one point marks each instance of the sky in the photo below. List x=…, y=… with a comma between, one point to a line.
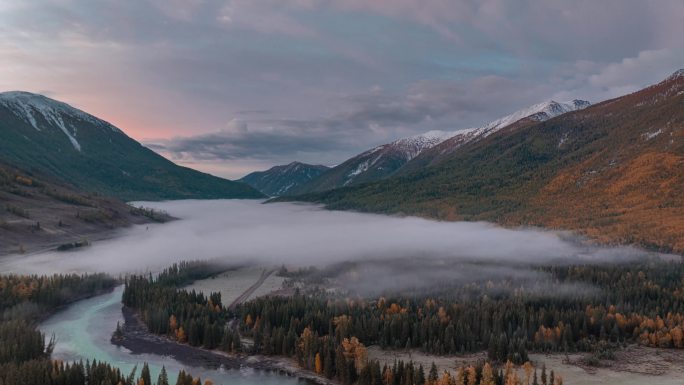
x=234, y=86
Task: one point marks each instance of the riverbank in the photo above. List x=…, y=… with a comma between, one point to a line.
x=136, y=338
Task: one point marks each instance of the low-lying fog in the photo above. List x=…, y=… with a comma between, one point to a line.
x=240, y=231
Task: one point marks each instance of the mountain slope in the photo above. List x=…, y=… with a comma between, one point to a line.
x=44, y=136
x=533, y=114
x=38, y=213
x=374, y=164
x=413, y=153
x=613, y=171
x=278, y=180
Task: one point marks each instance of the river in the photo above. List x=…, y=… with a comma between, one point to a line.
x=84, y=329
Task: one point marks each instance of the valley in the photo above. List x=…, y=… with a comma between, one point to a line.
x=236, y=192
x=245, y=285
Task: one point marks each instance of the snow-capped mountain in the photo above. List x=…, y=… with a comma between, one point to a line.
x=388, y=159
x=43, y=113
x=376, y=163
x=55, y=140
x=536, y=113
x=279, y=180
x=612, y=171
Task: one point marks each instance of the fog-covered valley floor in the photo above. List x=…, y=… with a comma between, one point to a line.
x=247, y=231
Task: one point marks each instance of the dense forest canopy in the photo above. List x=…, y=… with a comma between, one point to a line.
x=329, y=332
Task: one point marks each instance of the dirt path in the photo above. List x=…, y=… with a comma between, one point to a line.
x=243, y=297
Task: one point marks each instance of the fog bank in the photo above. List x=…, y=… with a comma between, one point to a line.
x=296, y=234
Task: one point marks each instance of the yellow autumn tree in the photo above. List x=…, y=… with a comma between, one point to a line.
x=460, y=376
x=180, y=335
x=528, y=368
x=318, y=364
x=173, y=323
x=471, y=375
x=445, y=379
x=355, y=350
x=487, y=375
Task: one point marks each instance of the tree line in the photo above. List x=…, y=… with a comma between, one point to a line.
x=639, y=303
x=323, y=335
x=187, y=316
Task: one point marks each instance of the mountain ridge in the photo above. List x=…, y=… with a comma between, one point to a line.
x=416, y=151
x=51, y=138
x=278, y=180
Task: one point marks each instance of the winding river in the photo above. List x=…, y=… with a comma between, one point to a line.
x=83, y=332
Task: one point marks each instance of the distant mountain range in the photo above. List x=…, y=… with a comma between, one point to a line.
x=403, y=154
x=279, y=180
x=53, y=140
x=613, y=171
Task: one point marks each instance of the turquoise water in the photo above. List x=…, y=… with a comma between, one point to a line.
x=83, y=331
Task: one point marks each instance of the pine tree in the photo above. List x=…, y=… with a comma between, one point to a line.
x=145, y=375
x=163, y=377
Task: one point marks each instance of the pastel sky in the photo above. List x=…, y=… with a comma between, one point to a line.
x=234, y=86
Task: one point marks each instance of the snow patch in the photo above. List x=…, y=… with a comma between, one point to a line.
x=676, y=75
x=538, y=112
x=28, y=107
x=651, y=135
x=563, y=139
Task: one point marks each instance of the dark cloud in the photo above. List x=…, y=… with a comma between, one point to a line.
x=370, y=119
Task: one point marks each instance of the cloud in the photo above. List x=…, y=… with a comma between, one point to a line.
x=273, y=234
x=370, y=119
x=182, y=69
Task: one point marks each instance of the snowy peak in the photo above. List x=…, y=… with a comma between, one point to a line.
x=536, y=113
x=539, y=112
x=676, y=75
x=412, y=146
x=42, y=113
x=388, y=159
